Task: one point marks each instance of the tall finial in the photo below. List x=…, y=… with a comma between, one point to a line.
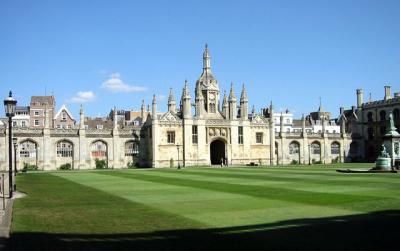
x=10, y=94
x=206, y=46
x=206, y=59
x=370, y=97
x=320, y=104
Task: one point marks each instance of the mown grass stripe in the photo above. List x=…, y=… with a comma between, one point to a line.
x=54, y=204
x=284, y=194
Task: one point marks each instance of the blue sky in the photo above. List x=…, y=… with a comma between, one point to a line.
x=116, y=53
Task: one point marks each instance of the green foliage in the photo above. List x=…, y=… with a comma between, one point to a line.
x=171, y=163
x=294, y=162
x=66, y=166
x=335, y=160
x=316, y=162
x=29, y=167
x=100, y=163
x=260, y=162
x=133, y=164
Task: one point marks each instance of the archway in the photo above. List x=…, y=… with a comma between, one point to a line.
x=217, y=152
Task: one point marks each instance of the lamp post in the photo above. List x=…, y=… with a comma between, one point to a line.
x=179, y=164
x=14, y=140
x=9, y=106
x=15, y=143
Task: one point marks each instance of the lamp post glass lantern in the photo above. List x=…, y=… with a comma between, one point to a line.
x=9, y=106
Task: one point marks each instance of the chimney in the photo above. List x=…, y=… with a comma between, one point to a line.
x=353, y=109
x=360, y=98
x=397, y=94
x=387, y=92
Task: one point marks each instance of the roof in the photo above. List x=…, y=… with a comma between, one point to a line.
x=42, y=99
x=63, y=107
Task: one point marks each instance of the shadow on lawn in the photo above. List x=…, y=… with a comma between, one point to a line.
x=373, y=231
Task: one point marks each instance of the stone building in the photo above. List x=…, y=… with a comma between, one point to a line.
x=203, y=130
x=63, y=119
x=366, y=123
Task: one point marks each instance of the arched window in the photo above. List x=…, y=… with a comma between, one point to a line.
x=382, y=115
x=370, y=117
x=315, y=148
x=396, y=114
x=131, y=148
x=294, y=148
x=370, y=133
x=27, y=149
x=98, y=149
x=335, y=148
x=65, y=149
x=212, y=107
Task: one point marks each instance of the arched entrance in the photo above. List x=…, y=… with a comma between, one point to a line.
x=217, y=152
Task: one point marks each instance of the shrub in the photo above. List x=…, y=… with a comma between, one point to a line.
x=133, y=164
x=316, y=161
x=294, y=162
x=100, y=163
x=335, y=160
x=66, y=166
x=29, y=167
x=171, y=163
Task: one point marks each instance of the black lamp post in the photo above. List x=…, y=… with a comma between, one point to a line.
x=15, y=143
x=9, y=106
x=179, y=164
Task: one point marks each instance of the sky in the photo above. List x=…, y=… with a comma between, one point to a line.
x=103, y=53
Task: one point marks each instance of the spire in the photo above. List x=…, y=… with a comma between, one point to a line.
x=320, y=105
x=186, y=104
x=271, y=106
x=232, y=96
x=225, y=106
x=142, y=111
x=154, y=108
x=253, y=111
x=171, y=101
x=81, y=118
x=206, y=59
x=115, y=118
x=243, y=96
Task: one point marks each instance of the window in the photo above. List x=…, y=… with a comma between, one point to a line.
x=335, y=148
x=98, y=149
x=65, y=149
x=383, y=130
x=27, y=149
x=315, y=148
x=382, y=115
x=294, y=148
x=23, y=123
x=287, y=121
x=240, y=130
x=369, y=117
x=36, y=113
x=64, y=116
x=36, y=122
x=194, y=134
x=99, y=127
x=212, y=107
x=259, y=137
x=370, y=133
x=131, y=148
x=171, y=137
x=14, y=123
x=58, y=126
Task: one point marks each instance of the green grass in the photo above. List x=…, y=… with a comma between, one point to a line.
x=291, y=207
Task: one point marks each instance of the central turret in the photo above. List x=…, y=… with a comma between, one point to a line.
x=207, y=86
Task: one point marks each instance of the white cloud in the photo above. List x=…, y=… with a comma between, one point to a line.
x=115, y=84
x=83, y=97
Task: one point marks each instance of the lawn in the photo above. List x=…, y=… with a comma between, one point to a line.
x=274, y=208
